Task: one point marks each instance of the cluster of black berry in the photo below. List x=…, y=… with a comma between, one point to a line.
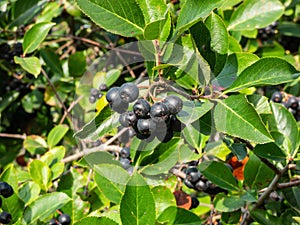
x=7, y=52
x=95, y=93
x=195, y=180
x=268, y=33
x=63, y=219
x=125, y=157
x=290, y=102
x=6, y=191
x=148, y=122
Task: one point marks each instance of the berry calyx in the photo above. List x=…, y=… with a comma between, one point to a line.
x=6, y=190
x=129, y=92
x=174, y=103
x=64, y=219
x=5, y=217
x=159, y=112
x=141, y=108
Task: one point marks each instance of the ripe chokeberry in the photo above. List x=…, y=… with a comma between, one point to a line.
x=114, y=100
x=92, y=99
x=94, y=92
x=159, y=112
x=125, y=152
x=175, y=124
x=188, y=183
x=277, y=97
x=129, y=92
x=174, y=103
x=6, y=190
x=145, y=126
x=201, y=185
x=128, y=119
x=293, y=103
x=125, y=162
x=141, y=108
x=102, y=87
x=193, y=174
x=5, y=217
x=195, y=203
x=112, y=94
x=164, y=136
x=53, y=222
x=64, y=219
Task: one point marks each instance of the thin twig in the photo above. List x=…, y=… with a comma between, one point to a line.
x=17, y=136
x=289, y=184
x=72, y=105
x=55, y=92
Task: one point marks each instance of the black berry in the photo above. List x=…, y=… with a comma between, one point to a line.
x=129, y=92
x=102, y=87
x=195, y=203
x=141, y=108
x=164, y=136
x=188, y=183
x=6, y=190
x=277, y=97
x=92, y=99
x=94, y=92
x=128, y=119
x=175, y=124
x=125, y=162
x=112, y=94
x=174, y=104
x=201, y=185
x=5, y=217
x=145, y=126
x=293, y=103
x=64, y=219
x=125, y=152
x=53, y=222
x=159, y=112
x=193, y=174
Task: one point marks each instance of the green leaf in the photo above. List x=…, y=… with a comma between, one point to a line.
x=54, y=155
x=96, y=158
x=162, y=159
x=263, y=217
x=192, y=135
x=8, y=99
x=260, y=103
x=193, y=110
x=253, y=14
x=108, y=78
x=30, y=64
x=40, y=173
x=137, y=205
x=56, y=134
x=284, y=123
x=77, y=64
x=247, y=123
x=270, y=151
x=44, y=206
x=289, y=29
x=119, y=17
x=266, y=71
x=51, y=59
x=234, y=65
x=178, y=216
x=164, y=198
x=193, y=11
x=35, y=144
x=29, y=191
x=32, y=101
x=35, y=36
x=292, y=195
x=225, y=203
x=96, y=220
x=111, y=181
x=219, y=174
x=257, y=174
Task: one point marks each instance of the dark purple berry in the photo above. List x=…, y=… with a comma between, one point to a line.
x=141, y=108
x=102, y=87
x=6, y=190
x=277, y=97
x=112, y=94
x=53, y=222
x=293, y=103
x=125, y=152
x=64, y=219
x=94, y=92
x=145, y=126
x=125, y=162
x=5, y=217
x=128, y=119
x=164, y=136
x=92, y=99
x=195, y=203
x=193, y=174
x=159, y=112
x=201, y=185
x=175, y=124
x=129, y=92
x=118, y=105
x=188, y=183
x=174, y=104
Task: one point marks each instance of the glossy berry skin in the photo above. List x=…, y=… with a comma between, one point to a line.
x=201, y=185
x=193, y=174
x=125, y=162
x=129, y=92
x=102, y=87
x=188, y=183
x=125, y=152
x=53, y=222
x=175, y=124
x=94, y=92
x=6, y=190
x=112, y=94
x=159, y=112
x=174, y=104
x=164, y=136
x=92, y=99
x=141, y=108
x=5, y=217
x=128, y=119
x=277, y=97
x=293, y=103
x=64, y=219
x=145, y=126
x=195, y=203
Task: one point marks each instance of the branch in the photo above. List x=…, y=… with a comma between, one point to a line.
x=17, y=136
x=72, y=105
x=289, y=184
